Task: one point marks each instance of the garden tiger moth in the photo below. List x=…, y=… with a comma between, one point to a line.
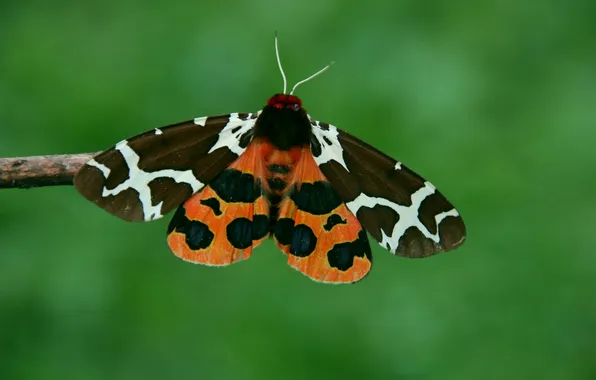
x=237, y=179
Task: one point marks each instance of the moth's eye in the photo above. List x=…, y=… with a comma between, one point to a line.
x=295, y=106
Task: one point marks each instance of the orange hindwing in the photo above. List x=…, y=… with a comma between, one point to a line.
x=321, y=237
x=222, y=223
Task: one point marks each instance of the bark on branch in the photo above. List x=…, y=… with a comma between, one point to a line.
x=36, y=171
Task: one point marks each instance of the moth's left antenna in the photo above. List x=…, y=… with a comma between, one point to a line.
x=283, y=75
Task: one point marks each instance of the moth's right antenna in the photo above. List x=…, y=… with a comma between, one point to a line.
x=310, y=77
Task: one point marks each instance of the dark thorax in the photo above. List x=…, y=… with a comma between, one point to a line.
x=284, y=123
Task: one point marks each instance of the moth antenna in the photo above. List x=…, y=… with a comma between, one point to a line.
x=311, y=77
x=283, y=75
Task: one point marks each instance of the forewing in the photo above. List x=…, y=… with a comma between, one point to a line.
x=229, y=217
x=320, y=236
x=146, y=176
x=405, y=213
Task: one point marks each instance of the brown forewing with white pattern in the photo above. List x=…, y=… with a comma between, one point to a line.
x=405, y=213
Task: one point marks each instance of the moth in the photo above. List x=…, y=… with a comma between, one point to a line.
x=240, y=178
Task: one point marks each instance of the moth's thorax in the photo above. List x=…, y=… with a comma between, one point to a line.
x=284, y=123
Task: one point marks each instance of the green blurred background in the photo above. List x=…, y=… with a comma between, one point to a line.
x=494, y=102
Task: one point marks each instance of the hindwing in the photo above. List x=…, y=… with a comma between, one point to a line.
x=229, y=217
x=320, y=236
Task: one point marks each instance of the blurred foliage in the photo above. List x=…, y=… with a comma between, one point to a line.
x=493, y=101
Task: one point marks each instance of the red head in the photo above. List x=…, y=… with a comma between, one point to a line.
x=283, y=101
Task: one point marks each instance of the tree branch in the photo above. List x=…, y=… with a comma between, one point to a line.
x=36, y=171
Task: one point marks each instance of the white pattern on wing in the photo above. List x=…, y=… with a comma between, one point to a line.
x=102, y=168
x=397, y=166
x=139, y=180
x=408, y=215
x=228, y=138
x=200, y=121
x=158, y=131
x=329, y=152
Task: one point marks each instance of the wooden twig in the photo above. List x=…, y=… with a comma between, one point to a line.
x=36, y=171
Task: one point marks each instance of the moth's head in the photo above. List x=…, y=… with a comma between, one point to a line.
x=284, y=101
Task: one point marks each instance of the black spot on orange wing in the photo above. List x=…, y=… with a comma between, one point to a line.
x=233, y=185
x=283, y=231
x=337, y=254
x=213, y=203
x=241, y=232
x=316, y=198
x=342, y=255
x=332, y=221
x=237, y=221
x=197, y=234
x=304, y=241
x=260, y=227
